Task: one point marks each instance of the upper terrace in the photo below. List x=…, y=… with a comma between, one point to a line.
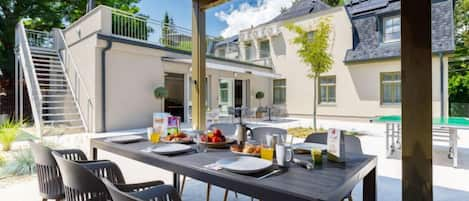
x=124, y=25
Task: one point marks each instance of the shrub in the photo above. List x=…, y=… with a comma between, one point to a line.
x=259, y=95
x=22, y=164
x=8, y=133
x=3, y=160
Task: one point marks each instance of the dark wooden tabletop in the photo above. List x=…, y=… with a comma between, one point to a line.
x=332, y=181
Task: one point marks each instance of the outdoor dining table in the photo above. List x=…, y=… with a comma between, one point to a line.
x=329, y=182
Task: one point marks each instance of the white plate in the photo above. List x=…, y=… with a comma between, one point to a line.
x=244, y=164
x=167, y=149
x=307, y=146
x=125, y=139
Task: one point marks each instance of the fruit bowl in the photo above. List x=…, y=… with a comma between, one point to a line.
x=215, y=139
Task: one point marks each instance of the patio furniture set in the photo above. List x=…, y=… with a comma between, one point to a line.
x=69, y=174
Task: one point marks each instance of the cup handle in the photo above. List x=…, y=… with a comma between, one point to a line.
x=289, y=157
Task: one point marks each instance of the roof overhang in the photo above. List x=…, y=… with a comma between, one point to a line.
x=224, y=67
x=206, y=4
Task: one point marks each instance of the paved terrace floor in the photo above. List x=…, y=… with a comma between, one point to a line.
x=450, y=184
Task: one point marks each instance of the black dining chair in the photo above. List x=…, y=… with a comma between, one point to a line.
x=156, y=193
x=352, y=145
x=82, y=181
x=48, y=174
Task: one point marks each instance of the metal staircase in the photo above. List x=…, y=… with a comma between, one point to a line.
x=54, y=102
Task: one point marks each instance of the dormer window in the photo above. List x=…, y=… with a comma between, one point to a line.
x=391, y=29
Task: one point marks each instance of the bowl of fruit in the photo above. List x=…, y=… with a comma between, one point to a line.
x=215, y=139
x=247, y=149
x=178, y=137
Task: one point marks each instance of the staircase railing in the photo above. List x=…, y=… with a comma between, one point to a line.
x=27, y=65
x=75, y=80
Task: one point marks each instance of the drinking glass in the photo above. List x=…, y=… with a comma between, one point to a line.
x=267, y=150
x=153, y=135
x=316, y=155
x=201, y=147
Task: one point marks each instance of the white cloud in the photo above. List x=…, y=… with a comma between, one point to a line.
x=247, y=15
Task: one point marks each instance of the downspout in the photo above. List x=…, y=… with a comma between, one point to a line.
x=103, y=82
x=442, y=88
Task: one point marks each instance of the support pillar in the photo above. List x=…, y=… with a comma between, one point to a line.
x=416, y=64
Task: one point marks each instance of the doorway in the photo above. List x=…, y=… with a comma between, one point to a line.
x=174, y=103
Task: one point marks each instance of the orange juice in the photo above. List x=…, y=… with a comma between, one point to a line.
x=267, y=153
x=155, y=137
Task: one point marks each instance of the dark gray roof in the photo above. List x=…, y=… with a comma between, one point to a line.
x=367, y=40
x=300, y=8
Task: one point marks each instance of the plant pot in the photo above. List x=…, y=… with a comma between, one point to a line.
x=259, y=115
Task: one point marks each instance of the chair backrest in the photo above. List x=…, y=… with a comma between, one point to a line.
x=258, y=134
x=81, y=182
x=352, y=143
x=161, y=192
x=48, y=174
x=228, y=129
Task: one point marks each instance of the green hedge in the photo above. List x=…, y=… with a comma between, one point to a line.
x=459, y=109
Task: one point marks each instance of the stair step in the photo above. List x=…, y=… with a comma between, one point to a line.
x=61, y=121
x=42, y=49
x=49, y=65
x=57, y=96
x=59, y=108
x=51, y=80
x=46, y=60
x=54, y=90
x=48, y=70
x=60, y=114
x=52, y=85
x=57, y=102
x=51, y=75
x=50, y=56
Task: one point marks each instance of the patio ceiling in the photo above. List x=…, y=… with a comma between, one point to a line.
x=206, y=4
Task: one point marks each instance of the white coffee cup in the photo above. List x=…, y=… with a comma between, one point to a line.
x=284, y=154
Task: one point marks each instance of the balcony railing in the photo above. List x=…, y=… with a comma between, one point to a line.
x=144, y=29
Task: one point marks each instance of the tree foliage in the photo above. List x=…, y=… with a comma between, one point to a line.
x=313, y=51
x=459, y=63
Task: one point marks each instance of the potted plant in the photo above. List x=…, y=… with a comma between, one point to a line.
x=9, y=130
x=260, y=110
x=161, y=93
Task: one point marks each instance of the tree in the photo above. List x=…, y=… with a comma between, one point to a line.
x=313, y=50
x=458, y=83
x=168, y=30
x=41, y=15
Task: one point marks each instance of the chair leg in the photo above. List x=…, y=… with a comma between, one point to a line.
x=208, y=191
x=236, y=195
x=183, y=184
x=225, y=197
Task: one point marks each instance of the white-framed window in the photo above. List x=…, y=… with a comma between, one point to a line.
x=390, y=87
x=248, y=51
x=264, y=49
x=280, y=91
x=327, y=86
x=391, y=29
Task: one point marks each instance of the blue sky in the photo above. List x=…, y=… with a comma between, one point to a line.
x=224, y=20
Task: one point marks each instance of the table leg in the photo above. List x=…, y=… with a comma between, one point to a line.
x=176, y=181
x=94, y=153
x=369, y=186
x=453, y=135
